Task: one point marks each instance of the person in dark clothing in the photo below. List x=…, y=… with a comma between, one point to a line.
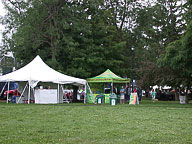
x=127, y=93
x=139, y=93
x=115, y=90
x=147, y=94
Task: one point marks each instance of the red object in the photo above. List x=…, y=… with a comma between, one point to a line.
x=31, y=101
x=25, y=101
x=68, y=94
x=12, y=92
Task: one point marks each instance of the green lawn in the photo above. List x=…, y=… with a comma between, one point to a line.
x=146, y=123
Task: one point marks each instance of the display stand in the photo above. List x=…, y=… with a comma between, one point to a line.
x=182, y=99
x=133, y=99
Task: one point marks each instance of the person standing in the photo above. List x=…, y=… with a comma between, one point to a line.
x=115, y=90
x=127, y=93
x=135, y=90
x=122, y=93
x=153, y=94
x=139, y=93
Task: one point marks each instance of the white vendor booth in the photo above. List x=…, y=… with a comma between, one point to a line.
x=37, y=72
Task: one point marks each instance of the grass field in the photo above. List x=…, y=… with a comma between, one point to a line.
x=146, y=123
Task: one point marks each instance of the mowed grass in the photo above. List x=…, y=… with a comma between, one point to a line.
x=146, y=123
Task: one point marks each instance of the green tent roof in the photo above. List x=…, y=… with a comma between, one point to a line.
x=108, y=76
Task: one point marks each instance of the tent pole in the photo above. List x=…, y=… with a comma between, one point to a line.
x=34, y=94
x=85, y=94
x=29, y=94
x=104, y=87
x=22, y=93
x=2, y=58
x=3, y=88
x=58, y=93
x=62, y=92
x=8, y=93
x=90, y=90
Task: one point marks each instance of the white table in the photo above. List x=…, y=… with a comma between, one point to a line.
x=46, y=96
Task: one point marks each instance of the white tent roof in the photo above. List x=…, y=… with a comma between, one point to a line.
x=37, y=71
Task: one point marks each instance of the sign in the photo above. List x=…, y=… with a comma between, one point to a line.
x=99, y=100
x=113, y=102
x=133, y=99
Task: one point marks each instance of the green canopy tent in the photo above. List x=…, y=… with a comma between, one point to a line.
x=97, y=84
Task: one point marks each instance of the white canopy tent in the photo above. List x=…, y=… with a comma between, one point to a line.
x=37, y=71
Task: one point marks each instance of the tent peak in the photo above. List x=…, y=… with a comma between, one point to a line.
x=37, y=57
x=107, y=76
x=39, y=71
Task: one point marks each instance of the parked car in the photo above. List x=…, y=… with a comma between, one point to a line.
x=166, y=95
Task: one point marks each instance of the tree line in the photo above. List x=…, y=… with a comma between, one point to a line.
x=83, y=38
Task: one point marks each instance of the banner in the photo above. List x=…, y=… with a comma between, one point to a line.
x=133, y=99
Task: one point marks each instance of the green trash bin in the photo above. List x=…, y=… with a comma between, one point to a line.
x=99, y=99
x=113, y=99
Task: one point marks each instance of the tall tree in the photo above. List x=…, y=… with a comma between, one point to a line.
x=83, y=38
x=75, y=37
x=159, y=25
x=178, y=53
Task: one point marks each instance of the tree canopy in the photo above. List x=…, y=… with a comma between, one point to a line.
x=178, y=54
x=83, y=38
